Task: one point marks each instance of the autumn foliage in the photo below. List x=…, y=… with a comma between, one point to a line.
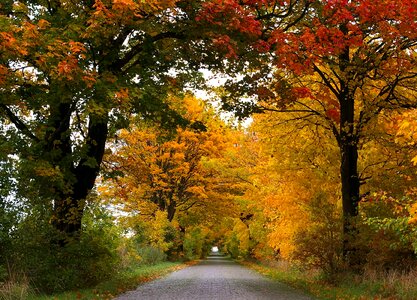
x=107, y=158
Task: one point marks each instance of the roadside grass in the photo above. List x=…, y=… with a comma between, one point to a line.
x=390, y=285
x=121, y=282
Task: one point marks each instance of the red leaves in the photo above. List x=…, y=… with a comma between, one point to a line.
x=334, y=115
x=224, y=44
x=261, y=46
x=302, y=92
x=229, y=15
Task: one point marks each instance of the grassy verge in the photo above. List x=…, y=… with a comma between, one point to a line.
x=344, y=286
x=122, y=282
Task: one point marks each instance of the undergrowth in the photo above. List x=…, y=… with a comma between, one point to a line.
x=371, y=284
x=121, y=282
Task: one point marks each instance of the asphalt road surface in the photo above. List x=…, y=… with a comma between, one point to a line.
x=215, y=278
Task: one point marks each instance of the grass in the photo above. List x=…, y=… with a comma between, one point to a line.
x=122, y=282
x=388, y=285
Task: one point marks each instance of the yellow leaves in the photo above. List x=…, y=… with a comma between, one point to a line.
x=47, y=171
x=413, y=214
x=406, y=130
x=157, y=233
x=194, y=108
x=287, y=172
x=242, y=234
x=43, y=24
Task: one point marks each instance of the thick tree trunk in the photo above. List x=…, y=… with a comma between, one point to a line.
x=348, y=143
x=171, y=211
x=349, y=160
x=350, y=184
x=350, y=198
x=69, y=205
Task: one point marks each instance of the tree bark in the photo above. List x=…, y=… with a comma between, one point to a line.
x=348, y=144
x=69, y=205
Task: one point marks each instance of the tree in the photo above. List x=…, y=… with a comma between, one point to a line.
x=71, y=73
x=159, y=170
x=340, y=65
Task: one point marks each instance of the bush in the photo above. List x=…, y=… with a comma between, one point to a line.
x=150, y=255
x=320, y=244
x=195, y=244
x=82, y=262
x=232, y=245
x=386, y=236
x=12, y=290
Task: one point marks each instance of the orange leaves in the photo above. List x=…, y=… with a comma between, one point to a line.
x=122, y=96
x=109, y=16
x=43, y=24
x=164, y=171
x=10, y=45
x=7, y=40
x=67, y=67
x=76, y=48
x=3, y=74
x=123, y=5
x=63, y=61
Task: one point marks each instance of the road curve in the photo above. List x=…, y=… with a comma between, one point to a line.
x=214, y=278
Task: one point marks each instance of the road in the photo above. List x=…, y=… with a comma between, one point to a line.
x=214, y=278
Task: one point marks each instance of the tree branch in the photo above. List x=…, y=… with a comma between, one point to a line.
x=18, y=123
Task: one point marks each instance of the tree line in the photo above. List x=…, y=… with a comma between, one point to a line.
x=96, y=112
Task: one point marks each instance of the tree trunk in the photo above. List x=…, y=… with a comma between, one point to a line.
x=350, y=184
x=171, y=211
x=69, y=205
x=348, y=144
x=350, y=196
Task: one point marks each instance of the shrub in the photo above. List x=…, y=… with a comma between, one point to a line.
x=386, y=234
x=11, y=290
x=195, y=244
x=320, y=244
x=150, y=255
x=232, y=245
x=83, y=261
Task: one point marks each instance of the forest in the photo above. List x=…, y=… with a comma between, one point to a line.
x=299, y=160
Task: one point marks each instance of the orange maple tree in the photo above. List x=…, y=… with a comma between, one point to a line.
x=170, y=171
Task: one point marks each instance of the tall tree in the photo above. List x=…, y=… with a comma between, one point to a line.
x=71, y=72
x=340, y=65
x=159, y=170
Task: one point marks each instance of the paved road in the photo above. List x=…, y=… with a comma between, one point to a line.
x=215, y=278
